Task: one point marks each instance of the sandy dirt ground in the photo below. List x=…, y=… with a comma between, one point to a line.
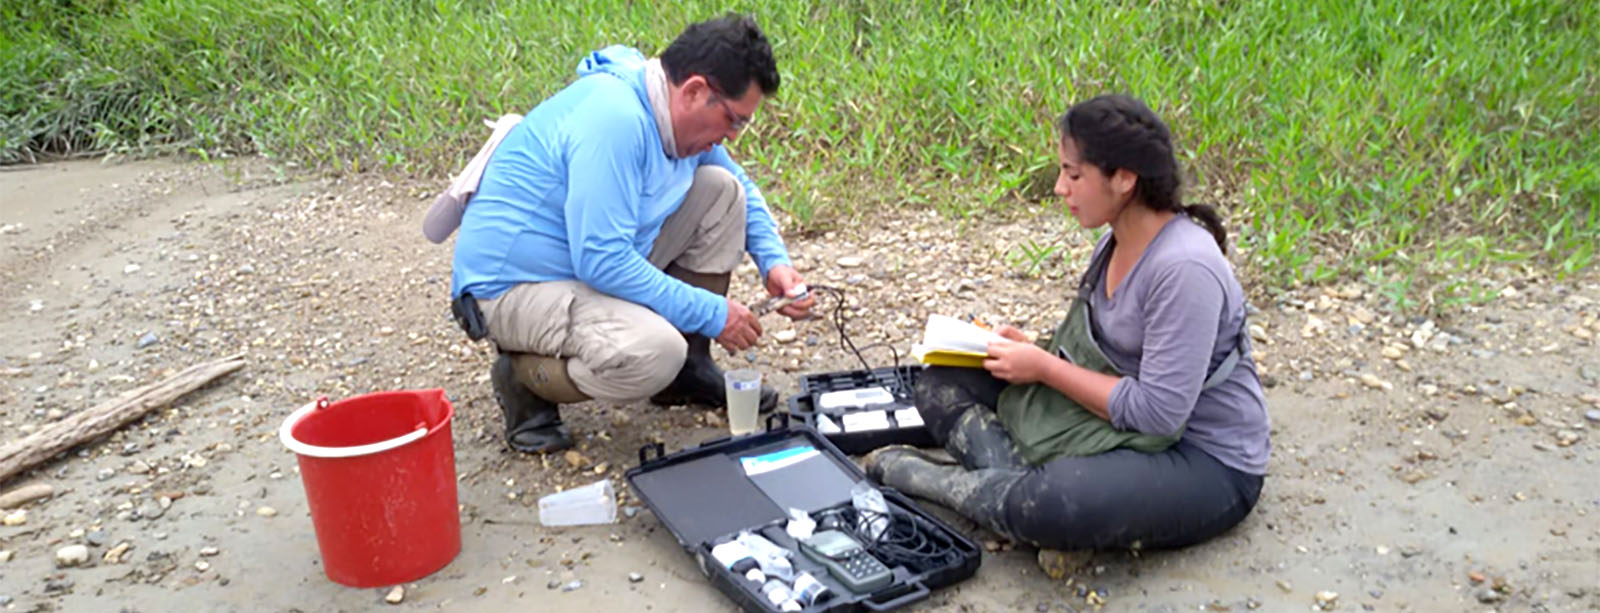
x=1419, y=464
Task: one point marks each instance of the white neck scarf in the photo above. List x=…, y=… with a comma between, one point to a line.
x=655, y=85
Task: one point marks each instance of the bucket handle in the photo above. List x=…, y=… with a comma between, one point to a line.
x=338, y=452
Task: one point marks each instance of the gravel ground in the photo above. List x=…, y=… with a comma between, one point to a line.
x=1419, y=464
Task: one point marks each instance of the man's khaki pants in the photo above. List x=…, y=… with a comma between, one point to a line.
x=618, y=350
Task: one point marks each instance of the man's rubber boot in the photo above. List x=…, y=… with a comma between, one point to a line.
x=977, y=494
x=700, y=380
x=533, y=424
x=979, y=441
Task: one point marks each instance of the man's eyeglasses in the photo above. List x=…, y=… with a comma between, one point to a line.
x=737, y=121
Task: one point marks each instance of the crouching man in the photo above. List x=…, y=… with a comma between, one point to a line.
x=600, y=242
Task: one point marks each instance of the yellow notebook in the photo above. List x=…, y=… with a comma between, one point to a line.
x=947, y=341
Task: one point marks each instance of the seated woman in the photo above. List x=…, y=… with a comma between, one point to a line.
x=1142, y=424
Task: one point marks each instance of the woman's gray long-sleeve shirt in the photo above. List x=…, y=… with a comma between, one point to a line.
x=1173, y=319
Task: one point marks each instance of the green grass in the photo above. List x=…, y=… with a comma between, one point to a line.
x=1412, y=146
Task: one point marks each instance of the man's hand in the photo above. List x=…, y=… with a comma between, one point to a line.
x=741, y=329
x=1017, y=361
x=781, y=281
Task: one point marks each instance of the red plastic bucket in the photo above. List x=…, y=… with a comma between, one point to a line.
x=380, y=477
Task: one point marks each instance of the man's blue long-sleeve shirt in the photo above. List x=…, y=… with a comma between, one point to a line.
x=580, y=189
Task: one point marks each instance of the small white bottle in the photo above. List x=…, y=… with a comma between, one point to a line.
x=735, y=557
x=808, y=590
x=779, y=595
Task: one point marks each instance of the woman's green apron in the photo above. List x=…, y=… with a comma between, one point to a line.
x=1045, y=424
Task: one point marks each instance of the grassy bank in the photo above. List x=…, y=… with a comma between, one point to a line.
x=1408, y=145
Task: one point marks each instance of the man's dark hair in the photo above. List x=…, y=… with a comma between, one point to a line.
x=729, y=51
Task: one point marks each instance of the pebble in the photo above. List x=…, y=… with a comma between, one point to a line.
x=397, y=594
x=96, y=538
x=130, y=269
x=202, y=566
x=1285, y=586
x=114, y=556
x=785, y=336
x=266, y=511
x=1566, y=438
x=635, y=577
x=1393, y=353
x=1593, y=415
x=147, y=340
x=1327, y=600
x=15, y=518
x=72, y=555
x=575, y=459
x=105, y=473
x=1589, y=372
x=209, y=551
x=1372, y=381
x=150, y=510
x=1420, y=338
x=575, y=584
x=1258, y=333
x=553, y=584
x=1490, y=595
x=630, y=511
x=849, y=261
x=5, y=555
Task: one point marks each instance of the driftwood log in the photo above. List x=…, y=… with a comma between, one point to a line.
x=25, y=494
x=20, y=455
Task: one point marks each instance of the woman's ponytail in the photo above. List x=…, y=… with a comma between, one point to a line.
x=1207, y=216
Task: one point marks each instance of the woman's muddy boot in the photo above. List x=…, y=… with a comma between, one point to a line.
x=978, y=441
x=533, y=424
x=977, y=494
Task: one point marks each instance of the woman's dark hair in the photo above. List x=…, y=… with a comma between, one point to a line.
x=729, y=51
x=1115, y=132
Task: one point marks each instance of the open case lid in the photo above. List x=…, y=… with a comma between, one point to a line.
x=720, y=487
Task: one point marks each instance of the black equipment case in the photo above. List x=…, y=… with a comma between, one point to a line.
x=708, y=494
x=897, y=379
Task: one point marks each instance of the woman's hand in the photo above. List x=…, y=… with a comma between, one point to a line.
x=1007, y=331
x=1016, y=360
